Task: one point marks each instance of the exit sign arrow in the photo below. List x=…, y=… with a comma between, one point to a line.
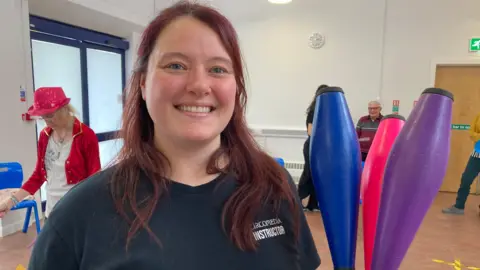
x=475, y=44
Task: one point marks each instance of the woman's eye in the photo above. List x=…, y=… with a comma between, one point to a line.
x=218, y=70
x=175, y=66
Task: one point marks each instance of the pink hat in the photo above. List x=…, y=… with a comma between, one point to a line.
x=47, y=100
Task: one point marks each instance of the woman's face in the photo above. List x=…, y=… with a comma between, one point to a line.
x=189, y=87
x=55, y=119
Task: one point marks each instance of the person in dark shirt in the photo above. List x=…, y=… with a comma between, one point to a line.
x=305, y=185
x=190, y=189
x=367, y=127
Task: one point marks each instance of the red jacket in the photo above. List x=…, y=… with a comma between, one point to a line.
x=83, y=161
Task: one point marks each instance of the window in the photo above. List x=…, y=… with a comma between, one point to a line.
x=105, y=86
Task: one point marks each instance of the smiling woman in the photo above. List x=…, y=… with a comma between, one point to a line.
x=191, y=188
x=190, y=91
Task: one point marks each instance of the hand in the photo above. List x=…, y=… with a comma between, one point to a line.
x=5, y=206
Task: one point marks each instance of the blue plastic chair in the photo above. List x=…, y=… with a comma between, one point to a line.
x=11, y=176
x=280, y=161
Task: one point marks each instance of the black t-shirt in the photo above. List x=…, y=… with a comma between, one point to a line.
x=310, y=117
x=85, y=232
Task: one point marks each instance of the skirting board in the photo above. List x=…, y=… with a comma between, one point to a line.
x=15, y=227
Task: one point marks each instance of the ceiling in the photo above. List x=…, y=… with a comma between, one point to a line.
x=122, y=17
x=141, y=11
x=79, y=15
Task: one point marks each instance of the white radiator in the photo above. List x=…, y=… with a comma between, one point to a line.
x=295, y=169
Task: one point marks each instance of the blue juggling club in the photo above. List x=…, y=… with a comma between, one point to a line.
x=336, y=167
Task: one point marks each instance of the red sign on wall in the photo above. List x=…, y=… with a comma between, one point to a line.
x=396, y=106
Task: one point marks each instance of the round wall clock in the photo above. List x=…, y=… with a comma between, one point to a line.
x=316, y=40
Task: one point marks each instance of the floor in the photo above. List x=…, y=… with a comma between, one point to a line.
x=441, y=237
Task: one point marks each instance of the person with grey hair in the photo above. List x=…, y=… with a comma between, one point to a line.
x=367, y=127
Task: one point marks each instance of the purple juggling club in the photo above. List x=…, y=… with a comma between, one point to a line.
x=414, y=172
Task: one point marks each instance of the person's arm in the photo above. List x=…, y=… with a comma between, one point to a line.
x=21, y=194
x=359, y=128
x=36, y=180
x=91, y=153
x=474, y=135
x=51, y=251
x=310, y=122
x=8, y=203
x=309, y=258
x=32, y=185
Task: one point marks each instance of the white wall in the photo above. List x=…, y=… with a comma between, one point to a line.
x=419, y=33
x=284, y=71
x=17, y=139
x=139, y=12
x=131, y=55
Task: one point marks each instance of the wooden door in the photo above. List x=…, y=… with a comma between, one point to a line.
x=464, y=83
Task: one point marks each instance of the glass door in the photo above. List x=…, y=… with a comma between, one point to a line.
x=105, y=99
x=90, y=67
x=57, y=65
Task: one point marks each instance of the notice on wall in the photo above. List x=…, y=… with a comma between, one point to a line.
x=460, y=127
x=396, y=107
x=23, y=94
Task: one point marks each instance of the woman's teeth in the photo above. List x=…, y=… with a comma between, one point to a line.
x=195, y=109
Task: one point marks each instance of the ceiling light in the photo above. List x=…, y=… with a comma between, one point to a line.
x=279, y=1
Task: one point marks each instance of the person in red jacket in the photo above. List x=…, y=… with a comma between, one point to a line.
x=67, y=152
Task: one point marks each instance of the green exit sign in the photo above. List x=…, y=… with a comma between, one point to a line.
x=460, y=127
x=475, y=44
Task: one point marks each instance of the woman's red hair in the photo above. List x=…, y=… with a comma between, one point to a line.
x=261, y=180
